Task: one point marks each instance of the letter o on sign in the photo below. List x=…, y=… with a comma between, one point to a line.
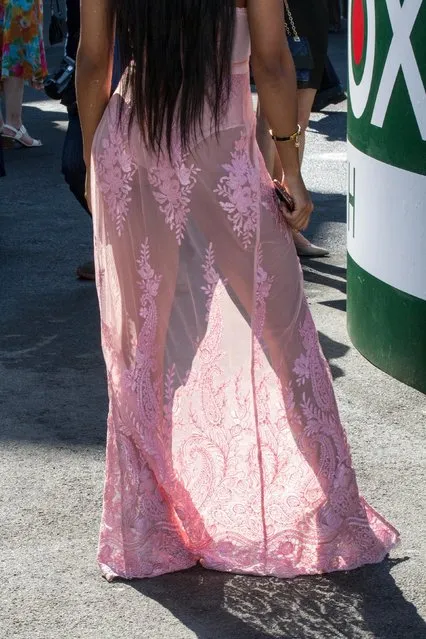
x=361, y=50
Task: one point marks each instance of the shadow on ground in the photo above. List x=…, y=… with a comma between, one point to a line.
x=332, y=278
x=329, y=207
x=325, y=274
x=346, y=605
x=333, y=350
x=332, y=126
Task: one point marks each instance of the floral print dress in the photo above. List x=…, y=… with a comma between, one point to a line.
x=225, y=445
x=22, y=53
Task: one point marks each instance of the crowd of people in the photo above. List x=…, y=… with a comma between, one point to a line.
x=225, y=445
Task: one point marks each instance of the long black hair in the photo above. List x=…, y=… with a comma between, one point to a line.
x=178, y=54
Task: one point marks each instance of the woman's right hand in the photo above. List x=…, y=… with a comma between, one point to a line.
x=303, y=206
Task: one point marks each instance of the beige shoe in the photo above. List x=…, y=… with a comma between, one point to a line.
x=305, y=248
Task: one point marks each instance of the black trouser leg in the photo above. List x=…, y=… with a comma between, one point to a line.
x=73, y=26
x=73, y=166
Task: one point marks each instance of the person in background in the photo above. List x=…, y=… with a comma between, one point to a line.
x=335, y=13
x=22, y=61
x=225, y=446
x=311, y=21
x=331, y=90
x=73, y=167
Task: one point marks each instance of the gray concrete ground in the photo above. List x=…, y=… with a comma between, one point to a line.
x=53, y=412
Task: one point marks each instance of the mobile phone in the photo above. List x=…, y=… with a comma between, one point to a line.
x=284, y=196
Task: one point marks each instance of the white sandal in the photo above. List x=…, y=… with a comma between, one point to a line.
x=18, y=135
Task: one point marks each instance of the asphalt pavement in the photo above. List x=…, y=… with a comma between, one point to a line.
x=53, y=408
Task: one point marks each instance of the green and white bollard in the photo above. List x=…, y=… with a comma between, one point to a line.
x=387, y=185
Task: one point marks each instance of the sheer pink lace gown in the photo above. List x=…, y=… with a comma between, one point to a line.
x=224, y=440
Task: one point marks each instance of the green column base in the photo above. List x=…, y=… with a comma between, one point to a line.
x=387, y=326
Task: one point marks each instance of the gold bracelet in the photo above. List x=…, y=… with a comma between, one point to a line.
x=290, y=138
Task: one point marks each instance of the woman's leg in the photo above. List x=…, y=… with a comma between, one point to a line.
x=13, y=97
x=73, y=167
x=305, y=98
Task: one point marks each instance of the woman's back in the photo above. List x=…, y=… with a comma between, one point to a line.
x=196, y=39
x=238, y=106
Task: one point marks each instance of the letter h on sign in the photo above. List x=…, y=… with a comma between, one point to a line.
x=351, y=200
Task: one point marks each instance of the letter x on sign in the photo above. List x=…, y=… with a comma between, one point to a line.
x=401, y=55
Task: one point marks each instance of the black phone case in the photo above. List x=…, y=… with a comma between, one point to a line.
x=283, y=196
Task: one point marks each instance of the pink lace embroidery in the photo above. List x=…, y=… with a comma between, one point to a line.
x=150, y=531
x=115, y=171
x=311, y=365
x=264, y=284
x=173, y=185
x=139, y=379
x=169, y=391
x=240, y=191
x=211, y=277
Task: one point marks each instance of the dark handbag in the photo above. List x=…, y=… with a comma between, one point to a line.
x=60, y=85
x=299, y=46
x=58, y=24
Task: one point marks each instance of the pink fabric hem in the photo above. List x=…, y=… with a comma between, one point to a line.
x=110, y=575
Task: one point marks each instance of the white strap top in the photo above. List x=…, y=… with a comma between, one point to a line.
x=241, y=52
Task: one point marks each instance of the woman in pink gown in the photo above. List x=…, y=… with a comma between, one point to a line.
x=225, y=445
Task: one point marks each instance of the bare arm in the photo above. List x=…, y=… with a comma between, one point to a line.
x=275, y=77
x=273, y=70
x=94, y=67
